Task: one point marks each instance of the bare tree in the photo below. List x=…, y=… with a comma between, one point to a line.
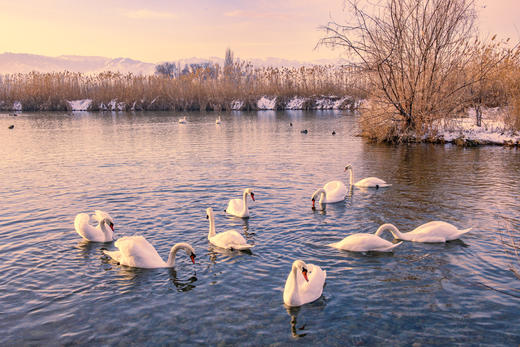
x=414, y=53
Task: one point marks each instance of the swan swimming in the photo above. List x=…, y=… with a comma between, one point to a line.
x=182, y=120
x=369, y=182
x=136, y=251
x=333, y=191
x=364, y=243
x=230, y=239
x=304, y=284
x=239, y=207
x=431, y=232
x=218, y=121
x=103, y=232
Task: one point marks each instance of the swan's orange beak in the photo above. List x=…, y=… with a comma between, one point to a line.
x=304, y=273
x=313, y=203
x=192, y=256
x=111, y=226
x=253, y=196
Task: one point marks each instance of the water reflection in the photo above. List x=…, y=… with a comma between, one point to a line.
x=182, y=284
x=293, y=313
x=87, y=248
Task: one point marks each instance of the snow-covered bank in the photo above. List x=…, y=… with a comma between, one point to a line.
x=464, y=131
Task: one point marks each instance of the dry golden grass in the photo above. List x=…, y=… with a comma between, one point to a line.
x=199, y=90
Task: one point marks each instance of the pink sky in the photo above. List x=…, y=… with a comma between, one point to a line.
x=161, y=30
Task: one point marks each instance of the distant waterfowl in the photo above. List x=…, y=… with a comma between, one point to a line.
x=230, y=239
x=365, y=243
x=182, y=120
x=11, y=126
x=333, y=132
x=103, y=232
x=304, y=284
x=431, y=232
x=218, y=120
x=304, y=131
x=13, y=114
x=136, y=251
x=369, y=182
x=290, y=124
x=239, y=207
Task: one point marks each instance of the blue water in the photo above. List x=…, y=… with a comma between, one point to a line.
x=156, y=178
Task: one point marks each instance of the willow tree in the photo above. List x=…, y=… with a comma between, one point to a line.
x=414, y=53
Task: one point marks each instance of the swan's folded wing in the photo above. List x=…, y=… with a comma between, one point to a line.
x=312, y=289
x=137, y=251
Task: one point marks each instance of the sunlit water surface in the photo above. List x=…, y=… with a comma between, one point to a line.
x=156, y=178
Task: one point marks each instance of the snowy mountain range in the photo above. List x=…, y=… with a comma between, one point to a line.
x=22, y=63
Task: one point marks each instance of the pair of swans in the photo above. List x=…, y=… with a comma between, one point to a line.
x=133, y=251
x=335, y=191
x=230, y=239
x=431, y=232
x=239, y=207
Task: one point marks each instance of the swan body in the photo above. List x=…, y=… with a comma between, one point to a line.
x=230, y=239
x=136, y=251
x=333, y=191
x=182, y=120
x=218, y=121
x=103, y=232
x=239, y=207
x=369, y=182
x=304, y=284
x=431, y=232
x=364, y=243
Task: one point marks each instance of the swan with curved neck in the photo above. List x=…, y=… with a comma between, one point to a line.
x=136, y=251
x=218, y=120
x=369, y=182
x=304, y=284
x=182, y=120
x=239, y=207
x=365, y=243
x=103, y=232
x=333, y=191
x=230, y=239
x=431, y=232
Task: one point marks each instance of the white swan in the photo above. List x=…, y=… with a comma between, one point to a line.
x=431, y=232
x=238, y=207
x=182, y=120
x=333, y=191
x=103, y=232
x=218, y=121
x=136, y=251
x=230, y=239
x=364, y=243
x=369, y=182
x=304, y=284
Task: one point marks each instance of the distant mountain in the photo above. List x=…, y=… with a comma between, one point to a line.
x=22, y=63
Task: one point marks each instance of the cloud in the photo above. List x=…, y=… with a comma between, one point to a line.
x=259, y=14
x=148, y=14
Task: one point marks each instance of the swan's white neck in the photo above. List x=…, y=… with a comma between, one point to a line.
x=211, y=224
x=322, y=193
x=293, y=290
x=107, y=231
x=244, y=205
x=392, y=228
x=173, y=253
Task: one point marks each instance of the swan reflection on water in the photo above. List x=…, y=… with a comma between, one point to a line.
x=87, y=248
x=317, y=307
x=183, y=284
x=293, y=313
x=225, y=254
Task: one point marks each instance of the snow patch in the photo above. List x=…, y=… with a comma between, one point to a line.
x=116, y=106
x=17, y=106
x=236, y=105
x=295, y=103
x=324, y=104
x=80, y=105
x=266, y=104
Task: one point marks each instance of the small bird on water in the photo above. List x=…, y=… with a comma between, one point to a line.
x=304, y=131
x=11, y=126
x=333, y=132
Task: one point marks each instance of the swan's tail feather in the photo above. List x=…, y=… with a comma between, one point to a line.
x=242, y=247
x=464, y=231
x=389, y=248
x=335, y=244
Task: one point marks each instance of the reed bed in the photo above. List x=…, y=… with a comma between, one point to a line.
x=204, y=89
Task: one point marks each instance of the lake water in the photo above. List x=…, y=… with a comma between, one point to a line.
x=156, y=178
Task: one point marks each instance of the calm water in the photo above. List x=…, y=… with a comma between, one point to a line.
x=156, y=178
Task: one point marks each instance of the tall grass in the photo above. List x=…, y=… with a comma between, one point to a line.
x=199, y=90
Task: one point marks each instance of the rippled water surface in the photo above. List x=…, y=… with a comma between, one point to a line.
x=156, y=178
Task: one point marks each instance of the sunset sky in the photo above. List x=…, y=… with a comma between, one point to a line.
x=162, y=30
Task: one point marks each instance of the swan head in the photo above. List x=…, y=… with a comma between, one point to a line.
x=348, y=167
x=301, y=266
x=250, y=192
x=103, y=217
x=315, y=195
x=209, y=212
